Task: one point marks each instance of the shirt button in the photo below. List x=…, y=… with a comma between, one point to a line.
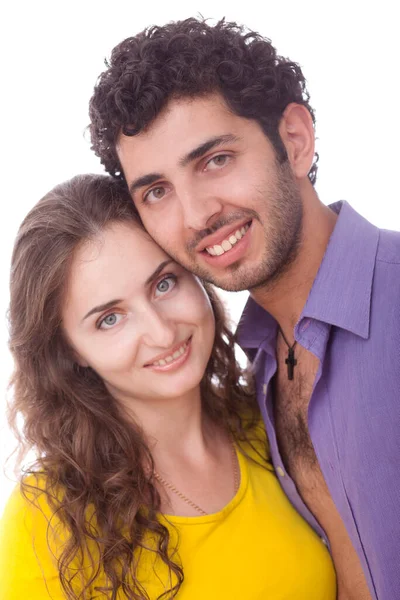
x=265, y=389
x=280, y=471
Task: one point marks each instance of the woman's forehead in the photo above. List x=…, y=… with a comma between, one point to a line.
x=117, y=262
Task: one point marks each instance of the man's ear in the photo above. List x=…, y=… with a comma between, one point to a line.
x=297, y=133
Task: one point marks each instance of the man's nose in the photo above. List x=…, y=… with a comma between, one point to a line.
x=199, y=210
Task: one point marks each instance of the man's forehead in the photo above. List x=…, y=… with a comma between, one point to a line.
x=183, y=122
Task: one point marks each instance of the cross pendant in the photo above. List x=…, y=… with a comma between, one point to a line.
x=291, y=363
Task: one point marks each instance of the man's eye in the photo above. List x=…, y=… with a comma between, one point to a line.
x=109, y=321
x=165, y=285
x=217, y=162
x=155, y=194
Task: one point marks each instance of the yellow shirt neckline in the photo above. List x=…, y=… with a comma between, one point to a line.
x=228, y=508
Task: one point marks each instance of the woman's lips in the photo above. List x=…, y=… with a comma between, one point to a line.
x=175, y=359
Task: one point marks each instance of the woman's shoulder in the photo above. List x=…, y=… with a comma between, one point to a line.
x=27, y=504
x=28, y=542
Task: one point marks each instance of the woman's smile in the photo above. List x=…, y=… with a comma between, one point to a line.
x=132, y=313
x=172, y=360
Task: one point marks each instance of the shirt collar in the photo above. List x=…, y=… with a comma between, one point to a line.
x=341, y=292
x=255, y=325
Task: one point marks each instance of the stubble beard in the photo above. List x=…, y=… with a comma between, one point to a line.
x=283, y=235
x=282, y=229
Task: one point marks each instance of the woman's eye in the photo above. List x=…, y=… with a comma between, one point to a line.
x=217, y=162
x=165, y=285
x=155, y=194
x=109, y=321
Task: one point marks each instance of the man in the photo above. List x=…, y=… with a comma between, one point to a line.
x=214, y=136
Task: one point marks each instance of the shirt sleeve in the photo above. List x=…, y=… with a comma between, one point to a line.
x=28, y=568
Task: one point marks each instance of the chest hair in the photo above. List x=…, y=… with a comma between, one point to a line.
x=291, y=401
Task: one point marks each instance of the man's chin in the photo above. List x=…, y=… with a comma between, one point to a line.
x=230, y=286
x=233, y=279
x=230, y=283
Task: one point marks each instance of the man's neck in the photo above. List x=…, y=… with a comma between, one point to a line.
x=286, y=298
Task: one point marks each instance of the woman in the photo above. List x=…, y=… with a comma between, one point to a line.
x=152, y=478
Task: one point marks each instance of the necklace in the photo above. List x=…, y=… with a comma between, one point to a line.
x=291, y=362
x=182, y=496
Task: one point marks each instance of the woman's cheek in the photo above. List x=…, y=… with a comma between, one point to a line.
x=115, y=353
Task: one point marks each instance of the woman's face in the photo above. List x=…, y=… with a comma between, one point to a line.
x=142, y=322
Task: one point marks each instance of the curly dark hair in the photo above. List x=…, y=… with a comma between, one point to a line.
x=91, y=459
x=187, y=59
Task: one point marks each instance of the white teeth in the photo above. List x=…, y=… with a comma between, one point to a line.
x=227, y=244
x=168, y=359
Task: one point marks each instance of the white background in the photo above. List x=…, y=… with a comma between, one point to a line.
x=52, y=53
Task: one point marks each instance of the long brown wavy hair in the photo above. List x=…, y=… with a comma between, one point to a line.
x=92, y=459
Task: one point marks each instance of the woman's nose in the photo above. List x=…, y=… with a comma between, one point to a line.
x=158, y=331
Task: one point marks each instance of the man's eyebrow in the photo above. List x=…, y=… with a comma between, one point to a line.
x=206, y=147
x=143, y=181
x=198, y=152
x=101, y=307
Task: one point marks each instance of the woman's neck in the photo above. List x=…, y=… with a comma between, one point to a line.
x=175, y=428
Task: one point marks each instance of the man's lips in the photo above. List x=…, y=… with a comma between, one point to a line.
x=222, y=234
x=230, y=251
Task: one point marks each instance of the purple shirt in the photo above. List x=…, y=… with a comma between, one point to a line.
x=351, y=323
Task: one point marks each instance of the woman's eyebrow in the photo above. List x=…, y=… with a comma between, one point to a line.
x=111, y=303
x=101, y=307
x=159, y=269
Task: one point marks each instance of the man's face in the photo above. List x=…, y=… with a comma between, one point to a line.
x=209, y=190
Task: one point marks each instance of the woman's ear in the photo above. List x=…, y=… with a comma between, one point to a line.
x=80, y=362
x=296, y=130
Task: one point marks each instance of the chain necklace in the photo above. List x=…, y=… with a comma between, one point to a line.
x=182, y=496
x=291, y=362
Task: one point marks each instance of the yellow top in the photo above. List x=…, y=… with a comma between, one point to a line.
x=256, y=548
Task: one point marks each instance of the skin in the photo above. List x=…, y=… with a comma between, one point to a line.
x=146, y=320
x=200, y=172
x=204, y=172
x=142, y=321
